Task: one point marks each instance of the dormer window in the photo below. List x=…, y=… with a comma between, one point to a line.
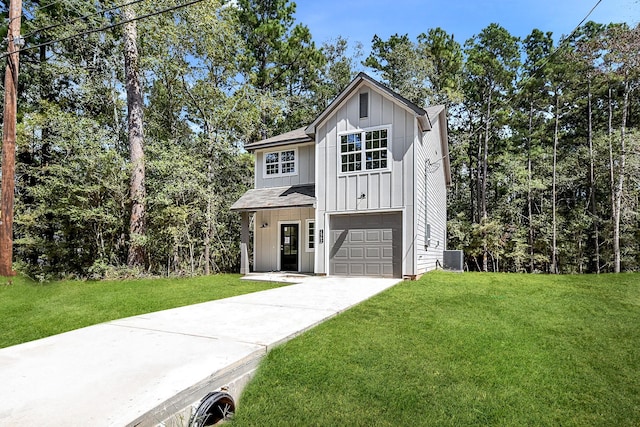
x=364, y=150
x=278, y=163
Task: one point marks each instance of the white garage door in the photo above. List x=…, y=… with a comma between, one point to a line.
x=366, y=245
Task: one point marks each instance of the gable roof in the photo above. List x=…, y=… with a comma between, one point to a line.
x=426, y=118
x=362, y=78
x=297, y=136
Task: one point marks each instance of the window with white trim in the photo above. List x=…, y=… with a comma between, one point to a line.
x=278, y=163
x=372, y=155
x=311, y=235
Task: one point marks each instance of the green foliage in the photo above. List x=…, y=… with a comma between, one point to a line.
x=280, y=60
x=338, y=71
x=446, y=59
x=217, y=75
x=401, y=67
x=73, y=189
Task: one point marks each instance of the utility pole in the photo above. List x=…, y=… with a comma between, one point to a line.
x=9, y=139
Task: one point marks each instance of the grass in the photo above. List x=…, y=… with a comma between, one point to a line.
x=29, y=310
x=463, y=350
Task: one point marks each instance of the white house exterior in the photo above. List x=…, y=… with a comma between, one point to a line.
x=361, y=191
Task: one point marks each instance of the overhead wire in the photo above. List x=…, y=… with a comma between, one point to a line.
x=546, y=60
x=81, y=18
x=106, y=27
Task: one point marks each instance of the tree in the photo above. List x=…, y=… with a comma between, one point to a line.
x=622, y=57
x=338, y=71
x=492, y=62
x=538, y=47
x=587, y=48
x=444, y=66
x=136, y=256
x=401, y=67
x=281, y=62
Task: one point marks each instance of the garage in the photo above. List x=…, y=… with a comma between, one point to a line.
x=366, y=245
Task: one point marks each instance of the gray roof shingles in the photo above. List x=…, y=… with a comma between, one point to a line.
x=276, y=198
x=297, y=136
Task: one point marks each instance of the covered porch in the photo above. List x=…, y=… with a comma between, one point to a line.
x=283, y=220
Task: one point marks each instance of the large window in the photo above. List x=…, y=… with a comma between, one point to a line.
x=280, y=163
x=372, y=155
x=351, y=152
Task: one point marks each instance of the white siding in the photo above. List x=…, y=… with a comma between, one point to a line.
x=384, y=190
x=304, y=175
x=429, y=151
x=266, y=245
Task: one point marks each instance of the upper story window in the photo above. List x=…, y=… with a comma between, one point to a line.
x=279, y=163
x=371, y=155
x=364, y=105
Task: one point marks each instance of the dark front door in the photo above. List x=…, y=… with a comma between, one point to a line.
x=289, y=247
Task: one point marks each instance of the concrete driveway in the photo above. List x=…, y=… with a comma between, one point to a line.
x=144, y=369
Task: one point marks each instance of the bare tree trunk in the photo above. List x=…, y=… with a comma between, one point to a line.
x=479, y=180
x=529, y=192
x=207, y=239
x=592, y=182
x=472, y=192
x=485, y=172
x=136, y=141
x=611, y=164
x=485, y=159
x=554, y=248
x=210, y=215
x=619, y=187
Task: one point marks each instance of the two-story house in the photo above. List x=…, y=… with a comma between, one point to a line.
x=361, y=191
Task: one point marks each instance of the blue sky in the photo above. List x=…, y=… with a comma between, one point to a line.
x=359, y=20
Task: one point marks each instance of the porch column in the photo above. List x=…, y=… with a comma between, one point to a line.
x=244, y=243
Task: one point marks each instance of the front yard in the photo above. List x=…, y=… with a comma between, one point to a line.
x=464, y=349
x=29, y=310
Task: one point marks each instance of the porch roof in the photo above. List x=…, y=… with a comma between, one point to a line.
x=257, y=199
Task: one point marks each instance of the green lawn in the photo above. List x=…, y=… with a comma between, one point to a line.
x=463, y=349
x=29, y=310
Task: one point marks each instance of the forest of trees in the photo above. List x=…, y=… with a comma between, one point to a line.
x=118, y=179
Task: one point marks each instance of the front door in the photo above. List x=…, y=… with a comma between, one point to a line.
x=289, y=247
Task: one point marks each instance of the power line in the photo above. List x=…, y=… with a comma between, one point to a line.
x=567, y=39
x=545, y=61
x=107, y=27
x=81, y=18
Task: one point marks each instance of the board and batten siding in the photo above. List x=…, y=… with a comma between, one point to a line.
x=387, y=190
x=305, y=174
x=431, y=195
x=266, y=247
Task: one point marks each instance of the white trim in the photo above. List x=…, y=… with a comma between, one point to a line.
x=279, y=151
x=306, y=235
x=418, y=138
x=285, y=222
x=366, y=211
x=363, y=150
